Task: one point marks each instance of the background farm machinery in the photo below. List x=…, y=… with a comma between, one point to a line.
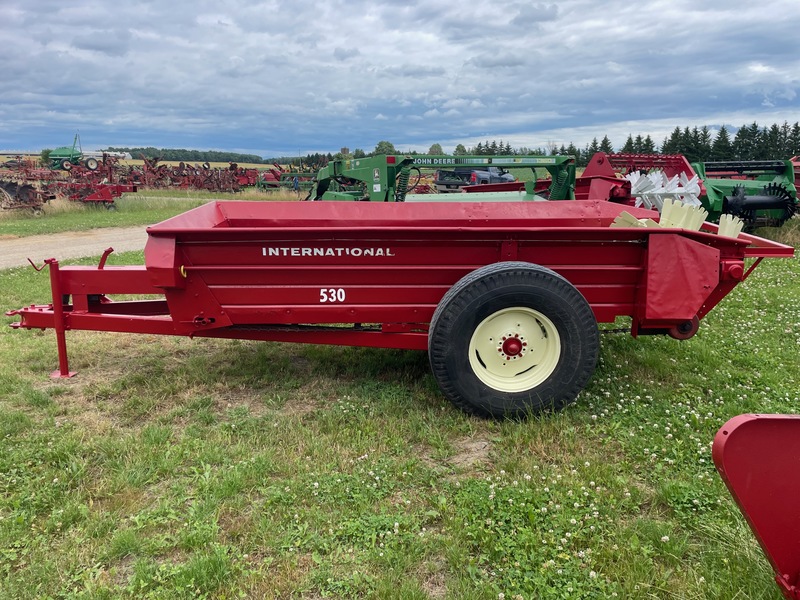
x=276, y=177
x=197, y=177
x=400, y=178
x=758, y=192
x=28, y=186
x=67, y=157
x=25, y=185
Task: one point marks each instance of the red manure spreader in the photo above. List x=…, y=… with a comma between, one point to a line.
x=504, y=296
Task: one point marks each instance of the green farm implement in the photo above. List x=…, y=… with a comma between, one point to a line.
x=394, y=178
x=66, y=157
x=758, y=192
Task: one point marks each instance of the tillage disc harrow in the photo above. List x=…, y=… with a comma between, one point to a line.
x=14, y=195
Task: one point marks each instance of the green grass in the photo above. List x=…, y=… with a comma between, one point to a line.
x=143, y=208
x=177, y=468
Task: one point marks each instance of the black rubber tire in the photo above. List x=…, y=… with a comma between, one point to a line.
x=91, y=164
x=494, y=288
x=66, y=165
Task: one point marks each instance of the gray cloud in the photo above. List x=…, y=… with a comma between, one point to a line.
x=276, y=76
x=113, y=43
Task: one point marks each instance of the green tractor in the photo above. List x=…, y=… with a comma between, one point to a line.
x=67, y=157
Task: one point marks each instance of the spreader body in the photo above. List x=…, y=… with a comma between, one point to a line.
x=373, y=274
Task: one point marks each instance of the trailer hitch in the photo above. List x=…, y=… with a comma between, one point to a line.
x=44, y=264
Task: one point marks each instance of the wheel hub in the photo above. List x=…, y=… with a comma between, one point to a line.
x=514, y=349
x=512, y=346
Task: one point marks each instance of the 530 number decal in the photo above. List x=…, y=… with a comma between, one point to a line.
x=332, y=295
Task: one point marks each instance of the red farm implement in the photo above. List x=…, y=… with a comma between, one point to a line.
x=505, y=296
x=27, y=186
x=185, y=176
x=758, y=457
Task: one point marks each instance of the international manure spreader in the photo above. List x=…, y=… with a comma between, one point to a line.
x=504, y=296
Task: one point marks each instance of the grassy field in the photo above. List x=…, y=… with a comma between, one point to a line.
x=144, y=208
x=177, y=468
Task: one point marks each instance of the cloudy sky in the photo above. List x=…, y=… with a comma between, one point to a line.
x=284, y=77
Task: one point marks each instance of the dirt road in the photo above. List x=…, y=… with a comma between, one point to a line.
x=14, y=252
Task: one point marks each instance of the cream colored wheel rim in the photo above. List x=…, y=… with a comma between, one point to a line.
x=515, y=349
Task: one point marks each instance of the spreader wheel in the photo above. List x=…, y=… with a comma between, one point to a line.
x=686, y=329
x=512, y=339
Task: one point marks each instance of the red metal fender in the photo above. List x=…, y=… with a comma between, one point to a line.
x=758, y=458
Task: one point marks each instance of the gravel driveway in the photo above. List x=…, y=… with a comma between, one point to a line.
x=15, y=251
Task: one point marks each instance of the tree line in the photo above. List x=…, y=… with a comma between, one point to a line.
x=698, y=144
x=189, y=155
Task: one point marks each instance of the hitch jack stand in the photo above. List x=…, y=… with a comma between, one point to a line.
x=59, y=326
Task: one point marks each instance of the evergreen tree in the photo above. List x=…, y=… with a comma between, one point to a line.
x=648, y=147
x=704, y=144
x=721, y=148
x=757, y=135
x=592, y=148
x=605, y=145
x=794, y=140
x=748, y=138
x=772, y=146
x=674, y=144
x=786, y=132
x=689, y=141
x=638, y=144
x=628, y=147
x=743, y=143
x=573, y=151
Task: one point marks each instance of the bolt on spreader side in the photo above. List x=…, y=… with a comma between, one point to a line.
x=505, y=296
